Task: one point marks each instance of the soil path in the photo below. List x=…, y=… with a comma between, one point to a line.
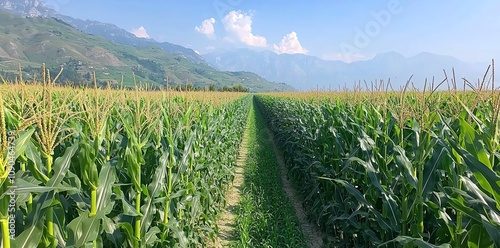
x=312, y=232
x=227, y=218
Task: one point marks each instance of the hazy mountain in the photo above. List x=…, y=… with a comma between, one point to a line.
x=35, y=8
x=29, y=8
x=33, y=41
x=306, y=72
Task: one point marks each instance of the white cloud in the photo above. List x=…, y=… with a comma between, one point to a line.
x=239, y=27
x=290, y=44
x=207, y=28
x=140, y=32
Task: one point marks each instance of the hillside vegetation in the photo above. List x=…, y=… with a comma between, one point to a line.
x=32, y=41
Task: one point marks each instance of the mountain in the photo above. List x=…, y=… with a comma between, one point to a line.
x=36, y=8
x=307, y=72
x=28, y=8
x=32, y=41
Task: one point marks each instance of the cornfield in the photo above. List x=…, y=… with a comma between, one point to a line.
x=114, y=168
x=91, y=167
x=394, y=169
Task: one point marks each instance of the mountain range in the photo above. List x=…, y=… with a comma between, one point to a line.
x=307, y=72
x=36, y=8
x=31, y=41
x=151, y=61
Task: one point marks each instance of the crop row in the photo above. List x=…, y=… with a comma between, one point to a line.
x=395, y=169
x=112, y=168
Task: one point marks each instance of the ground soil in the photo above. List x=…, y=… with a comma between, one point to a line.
x=312, y=232
x=227, y=219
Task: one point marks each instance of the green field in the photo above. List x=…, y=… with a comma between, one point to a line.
x=94, y=167
x=394, y=169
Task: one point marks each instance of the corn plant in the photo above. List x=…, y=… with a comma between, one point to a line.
x=394, y=168
x=49, y=116
x=114, y=168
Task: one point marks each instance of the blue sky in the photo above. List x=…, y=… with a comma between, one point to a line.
x=334, y=29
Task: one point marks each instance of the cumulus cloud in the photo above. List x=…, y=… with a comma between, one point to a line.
x=207, y=28
x=290, y=44
x=140, y=32
x=239, y=27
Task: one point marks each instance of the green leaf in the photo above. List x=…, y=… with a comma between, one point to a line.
x=404, y=240
x=460, y=206
x=61, y=166
x=133, y=164
x=128, y=209
x=129, y=232
x=352, y=190
x=87, y=160
x=22, y=186
x=155, y=188
x=479, y=195
x=393, y=212
x=31, y=237
x=478, y=237
x=372, y=173
x=430, y=171
x=473, y=144
x=84, y=229
x=404, y=163
x=187, y=152
x=59, y=225
x=493, y=231
x=36, y=163
x=21, y=142
x=107, y=178
x=112, y=230
x=487, y=179
x=72, y=181
x=34, y=233
x=150, y=237
x=92, y=226
x=74, y=228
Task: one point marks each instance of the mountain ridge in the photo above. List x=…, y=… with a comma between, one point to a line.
x=33, y=41
x=298, y=70
x=36, y=8
x=308, y=72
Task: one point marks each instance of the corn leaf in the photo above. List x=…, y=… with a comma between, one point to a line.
x=478, y=237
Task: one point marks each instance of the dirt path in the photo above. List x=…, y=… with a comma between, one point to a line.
x=227, y=218
x=313, y=234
